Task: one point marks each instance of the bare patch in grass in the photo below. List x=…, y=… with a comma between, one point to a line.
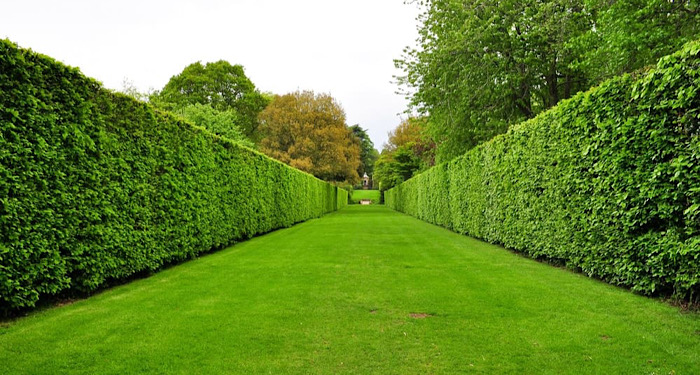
x=65, y=302
x=419, y=315
x=684, y=306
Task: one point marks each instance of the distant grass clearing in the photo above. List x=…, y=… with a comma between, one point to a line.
x=358, y=195
x=365, y=291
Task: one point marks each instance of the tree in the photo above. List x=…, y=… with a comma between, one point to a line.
x=308, y=132
x=395, y=167
x=222, y=123
x=368, y=154
x=220, y=85
x=412, y=135
x=484, y=65
x=408, y=151
x=631, y=34
x=481, y=66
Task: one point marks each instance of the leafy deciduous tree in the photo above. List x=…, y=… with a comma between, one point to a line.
x=481, y=66
x=631, y=34
x=222, y=123
x=221, y=85
x=308, y=132
x=409, y=150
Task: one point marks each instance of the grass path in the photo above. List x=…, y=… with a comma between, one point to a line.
x=358, y=195
x=337, y=294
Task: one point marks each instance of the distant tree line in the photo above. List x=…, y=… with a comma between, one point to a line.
x=305, y=130
x=408, y=151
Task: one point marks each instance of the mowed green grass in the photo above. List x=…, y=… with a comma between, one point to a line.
x=357, y=195
x=362, y=291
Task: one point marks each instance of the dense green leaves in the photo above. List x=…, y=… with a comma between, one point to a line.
x=95, y=186
x=222, y=123
x=631, y=34
x=220, y=85
x=397, y=166
x=408, y=151
x=481, y=66
x=606, y=182
x=368, y=154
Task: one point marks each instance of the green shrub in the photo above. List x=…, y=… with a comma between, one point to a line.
x=607, y=182
x=95, y=186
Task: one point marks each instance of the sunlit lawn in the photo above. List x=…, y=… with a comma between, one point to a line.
x=358, y=195
x=365, y=290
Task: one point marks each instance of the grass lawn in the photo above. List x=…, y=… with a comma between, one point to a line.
x=357, y=195
x=366, y=291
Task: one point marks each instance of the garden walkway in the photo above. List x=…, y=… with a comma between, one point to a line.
x=364, y=290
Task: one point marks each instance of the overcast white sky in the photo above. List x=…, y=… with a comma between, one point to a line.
x=342, y=47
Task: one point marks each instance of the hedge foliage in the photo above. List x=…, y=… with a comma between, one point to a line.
x=95, y=186
x=607, y=182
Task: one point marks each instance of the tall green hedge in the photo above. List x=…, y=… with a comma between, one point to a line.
x=95, y=186
x=607, y=182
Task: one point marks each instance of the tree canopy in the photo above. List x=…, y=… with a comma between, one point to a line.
x=408, y=151
x=220, y=85
x=368, y=154
x=308, y=132
x=222, y=123
x=631, y=34
x=480, y=65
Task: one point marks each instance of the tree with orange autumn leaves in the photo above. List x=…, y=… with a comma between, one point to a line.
x=409, y=151
x=308, y=132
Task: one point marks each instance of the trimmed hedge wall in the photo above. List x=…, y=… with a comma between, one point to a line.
x=95, y=186
x=607, y=182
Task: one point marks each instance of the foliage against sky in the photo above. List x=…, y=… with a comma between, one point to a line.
x=221, y=85
x=408, y=151
x=308, y=131
x=481, y=66
x=368, y=154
